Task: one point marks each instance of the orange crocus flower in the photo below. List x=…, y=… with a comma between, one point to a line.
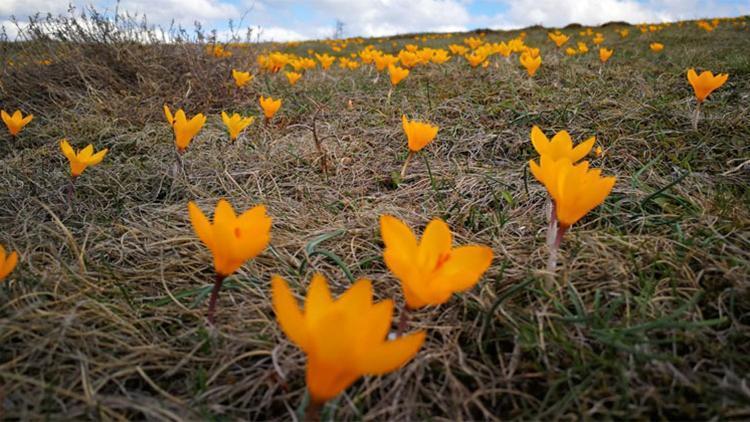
x=325, y=60
x=476, y=58
x=343, y=338
x=459, y=50
x=605, y=54
x=7, y=262
x=269, y=106
x=558, y=38
x=440, y=56
x=397, y=74
x=384, y=61
x=16, y=122
x=293, y=77
x=530, y=63
x=236, y=123
x=232, y=239
x=418, y=134
x=431, y=270
x=706, y=83
x=82, y=159
x=185, y=130
x=574, y=188
x=241, y=78
x=561, y=145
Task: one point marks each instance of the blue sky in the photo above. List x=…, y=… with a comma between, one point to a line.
x=283, y=20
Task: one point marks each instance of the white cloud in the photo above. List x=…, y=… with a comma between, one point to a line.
x=23, y=8
x=275, y=33
x=555, y=13
x=522, y=13
x=284, y=20
x=11, y=30
x=368, y=17
x=181, y=10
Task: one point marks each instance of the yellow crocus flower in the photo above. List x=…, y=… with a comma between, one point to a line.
x=269, y=106
x=530, y=63
x=7, y=262
x=16, y=122
x=185, y=130
x=241, y=78
x=397, y=74
x=343, y=338
x=706, y=83
x=236, y=123
x=431, y=270
x=561, y=145
x=81, y=159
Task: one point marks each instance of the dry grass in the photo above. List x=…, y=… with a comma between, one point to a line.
x=104, y=317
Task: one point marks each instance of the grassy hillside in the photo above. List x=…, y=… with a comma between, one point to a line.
x=104, y=317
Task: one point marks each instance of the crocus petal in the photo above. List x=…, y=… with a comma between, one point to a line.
x=376, y=325
x=539, y=140
x=391, y=355
x=400, y=246
x=98, y=157
x=464, y=268
x=318, y=298
x=67, y=150
x=692, y=76
x=436, y=241
x=8, y=265
x=287, y=312
x=255, y=227
x=86, y=153
x=358, y=297
x=168, y=114
x=201, y=225
x=224, y=238
x=582, y=149
x=326, y=381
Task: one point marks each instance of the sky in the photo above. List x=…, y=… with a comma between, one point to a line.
x=285, y=20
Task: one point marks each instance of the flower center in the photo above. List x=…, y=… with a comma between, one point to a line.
x=442, y=259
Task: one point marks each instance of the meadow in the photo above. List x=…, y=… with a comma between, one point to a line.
x=645, y=316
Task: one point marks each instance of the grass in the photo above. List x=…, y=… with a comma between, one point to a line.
x=104, y=317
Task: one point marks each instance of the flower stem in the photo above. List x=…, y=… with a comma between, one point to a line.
x=71, y=190
x=696, y=116
x=214, y=295
x=312, y=412
x=552, y=218
x=403, y=321
x=406, y=164
x=427, y=89
x=554, y=247
x=178, y=167
x=319, y=144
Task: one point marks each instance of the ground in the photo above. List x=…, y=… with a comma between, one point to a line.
x=104, y=317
